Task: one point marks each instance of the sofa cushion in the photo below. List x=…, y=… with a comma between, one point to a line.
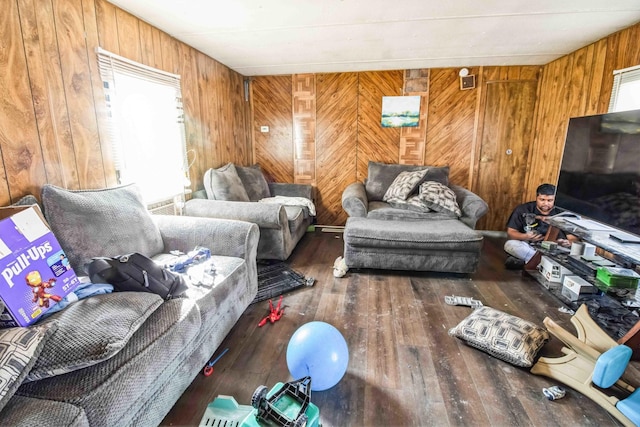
x=502, y=335
x=107, y=222
x=386, y=211
x=404, y=184
x=440, y=198
x=381, y=175
x=19, y=350
x=92, y=330
x=224, y=184
x=254, y=182
x=413, y=203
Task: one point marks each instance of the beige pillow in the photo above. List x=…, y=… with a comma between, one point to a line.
x=404, y=184
x=440, y=198
x=502, y=335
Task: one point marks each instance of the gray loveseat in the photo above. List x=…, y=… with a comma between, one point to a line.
x=124, y=358
x=234, y=192
x=406, y=217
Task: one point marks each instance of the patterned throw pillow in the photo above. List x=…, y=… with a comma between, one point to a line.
x=502, y=335
x=19, y=350
x=439, y=198
x=404, y=184
x=413, y=203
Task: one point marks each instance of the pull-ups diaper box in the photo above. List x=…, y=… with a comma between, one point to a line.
x=34, y=270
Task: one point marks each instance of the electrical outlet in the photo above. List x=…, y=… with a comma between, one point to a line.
x=264, y=129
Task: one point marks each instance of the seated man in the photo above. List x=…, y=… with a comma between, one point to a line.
x=526, y=225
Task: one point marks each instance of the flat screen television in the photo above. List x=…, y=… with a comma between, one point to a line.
x=600, y=170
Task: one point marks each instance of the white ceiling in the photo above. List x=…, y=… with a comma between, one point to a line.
x=268, y=37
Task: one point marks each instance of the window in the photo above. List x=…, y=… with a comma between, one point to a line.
x=146, y=125
x=625, y=94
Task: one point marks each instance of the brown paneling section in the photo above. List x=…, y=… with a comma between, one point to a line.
x=412, y=139
x=577, y=84
x=505, y=143
x=336, y=130
x=52, y=113
x=271, y=103
x=451, y=124
x=304, y=128
x=375, y=142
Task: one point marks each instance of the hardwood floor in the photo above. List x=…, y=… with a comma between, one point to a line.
x=404, y=368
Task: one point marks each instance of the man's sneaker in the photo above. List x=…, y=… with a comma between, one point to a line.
x=513, y=263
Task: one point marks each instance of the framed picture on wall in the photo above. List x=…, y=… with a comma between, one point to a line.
x=400, y=111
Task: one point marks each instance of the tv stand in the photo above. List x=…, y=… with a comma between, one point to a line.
x=618, y=320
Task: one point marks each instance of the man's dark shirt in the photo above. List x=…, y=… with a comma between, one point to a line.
x=517, y=222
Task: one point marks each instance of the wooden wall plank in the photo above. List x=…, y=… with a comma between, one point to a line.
x=128, y=36
x=22, y=170
x=304, y=128
x=107, y=26
x=336, y=130
x=376, y=143
x=272, y=107
x=191, y=103
x=47, y=89
x=412, y=139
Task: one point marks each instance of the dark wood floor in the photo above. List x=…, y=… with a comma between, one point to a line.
x=404, y=369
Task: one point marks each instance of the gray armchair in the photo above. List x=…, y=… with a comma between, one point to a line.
x=234, y=192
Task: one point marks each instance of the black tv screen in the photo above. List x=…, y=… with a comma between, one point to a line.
x=600, y=170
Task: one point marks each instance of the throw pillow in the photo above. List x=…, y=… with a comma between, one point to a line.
x=225, y=184
x=254, y=182
x=502, y=335
x=413, y=203
x=404, y=184
x=107, y=222
x=19, y=350
x=92, y=330
x=439, y=198
x=381, y=175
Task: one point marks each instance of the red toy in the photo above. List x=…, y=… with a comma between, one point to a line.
x=274, y=314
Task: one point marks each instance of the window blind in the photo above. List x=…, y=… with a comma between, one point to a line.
x=625, y=93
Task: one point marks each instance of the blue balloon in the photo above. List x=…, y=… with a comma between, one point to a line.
x=319, y=350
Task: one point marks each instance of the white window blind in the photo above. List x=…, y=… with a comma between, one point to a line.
x=625, y=94
x=146, y=126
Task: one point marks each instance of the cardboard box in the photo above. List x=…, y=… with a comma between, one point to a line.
x=551, y=270
x=573, y=287
x=34, y=270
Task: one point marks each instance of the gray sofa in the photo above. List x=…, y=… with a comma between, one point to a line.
x=124, y=358
x=234, y=192
x=406, y=217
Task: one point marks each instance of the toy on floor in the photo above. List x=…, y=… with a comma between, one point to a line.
x=591, y=363
x=274, y=313
x=466, y=301
x=286, y=404
x=340, y=267
x=208, y=369
x=319, y=350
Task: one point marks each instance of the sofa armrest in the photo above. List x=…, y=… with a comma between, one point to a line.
x=291, y=190
x=221, y=236
x=354, y=200
x=472, y=206
x=265, y=215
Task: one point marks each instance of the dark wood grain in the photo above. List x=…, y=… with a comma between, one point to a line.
x=404, y=368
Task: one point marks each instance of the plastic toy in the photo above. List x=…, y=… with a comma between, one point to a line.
x=286, y=404
x=208, y=369
x=274, y=313
x=319, y=350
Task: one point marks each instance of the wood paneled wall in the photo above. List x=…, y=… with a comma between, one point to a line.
x=52, y=112
x=578, y=84
x=348, y=109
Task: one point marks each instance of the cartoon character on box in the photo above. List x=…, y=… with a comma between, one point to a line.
x=39, y=289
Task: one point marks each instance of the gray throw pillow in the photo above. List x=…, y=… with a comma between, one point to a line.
x=502, y=335
x=254, y=182
x=440, y=198
x=404, y=184
x=413, y=203
x=107, y=222
x=19, y=350
x=92, y=330
x=225, y=184
x=381, y=175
